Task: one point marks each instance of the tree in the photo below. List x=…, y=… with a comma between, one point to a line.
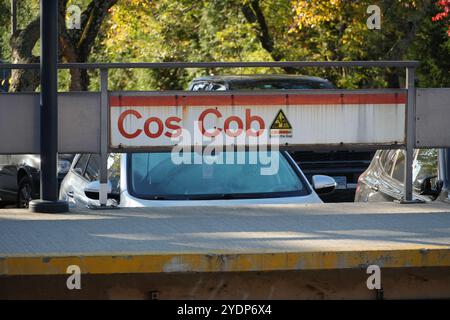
x=336, y=30
x=3, y=22
x=75, y=45
x=180, y=30
x=444, y=15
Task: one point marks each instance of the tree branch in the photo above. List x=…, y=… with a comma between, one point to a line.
x=254, y=15
x=91, y=21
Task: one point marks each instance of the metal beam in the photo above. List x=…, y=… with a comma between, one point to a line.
x=272, y=64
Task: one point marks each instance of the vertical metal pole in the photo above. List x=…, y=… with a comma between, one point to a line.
x=410, y=133
x=49, y=96
x=103, y=196
x=49, y=112
x=444, y=172
x=13, y=16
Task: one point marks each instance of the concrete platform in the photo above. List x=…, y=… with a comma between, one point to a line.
x=224, y=239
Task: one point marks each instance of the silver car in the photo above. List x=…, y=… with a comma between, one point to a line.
x=154, y=179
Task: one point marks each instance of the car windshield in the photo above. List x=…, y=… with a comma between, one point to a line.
x=156, y=176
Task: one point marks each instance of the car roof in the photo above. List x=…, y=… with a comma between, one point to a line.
x=259, y=77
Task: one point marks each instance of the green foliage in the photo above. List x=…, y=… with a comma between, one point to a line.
x=175, y=31
x=336, y=30
x=217, y=30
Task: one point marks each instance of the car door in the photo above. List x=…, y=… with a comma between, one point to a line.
x=425, y=164
x=8, y=179
x=72, y=188
x=4, y=196
x=395, y=186
x=375, y=184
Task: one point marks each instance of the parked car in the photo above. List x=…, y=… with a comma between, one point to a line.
x=383, y=180
x=20, y=177
x=344, y=166
x=153, y=179
x=258, y=82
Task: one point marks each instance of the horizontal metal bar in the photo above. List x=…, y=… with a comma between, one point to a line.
x=257, y=93
x=304, y=147
x=177, y=65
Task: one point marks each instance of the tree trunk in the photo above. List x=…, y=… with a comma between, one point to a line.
x=79, y=80
x=22, y=44
x=392, y=78
x=74, y=46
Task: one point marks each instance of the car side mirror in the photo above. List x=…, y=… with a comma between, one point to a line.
x=92, y=190
x=428, y=187
x=323, y=184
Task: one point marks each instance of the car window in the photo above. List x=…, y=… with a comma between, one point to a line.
x=200, y=86
x=387, y=160
x=399, y=167
x=114, y=171
x=92, y=170
x=156, y=175
x=218, y=87
x=81, y=164
x=426, y=164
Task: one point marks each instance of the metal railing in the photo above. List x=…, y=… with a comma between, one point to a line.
x=104, y=68
x=184, y=65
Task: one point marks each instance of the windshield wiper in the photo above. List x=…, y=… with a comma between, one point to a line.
x=223, y=196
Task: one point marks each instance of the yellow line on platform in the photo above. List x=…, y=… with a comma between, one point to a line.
x=226, y=262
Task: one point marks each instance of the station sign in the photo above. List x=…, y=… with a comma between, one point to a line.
x=151, y=120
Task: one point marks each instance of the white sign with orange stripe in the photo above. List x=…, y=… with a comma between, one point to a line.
x=160, y=120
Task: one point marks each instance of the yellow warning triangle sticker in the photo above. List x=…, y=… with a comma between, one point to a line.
x=281, y=122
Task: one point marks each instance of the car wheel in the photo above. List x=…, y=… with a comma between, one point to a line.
x=25, y=192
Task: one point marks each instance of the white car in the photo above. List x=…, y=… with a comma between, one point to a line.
x=155, y=179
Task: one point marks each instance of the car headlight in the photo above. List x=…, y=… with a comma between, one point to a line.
x=63, y=166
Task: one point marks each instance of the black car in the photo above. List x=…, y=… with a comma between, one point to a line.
x=344, y=166
x=383, y=180
x=20, y=177
x=258, y=82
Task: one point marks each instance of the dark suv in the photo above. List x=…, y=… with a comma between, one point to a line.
x=20, y=177
x=344, y=166
x=383, y=180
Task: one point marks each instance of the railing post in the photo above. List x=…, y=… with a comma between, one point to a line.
x=410, y=134
x=13, y=16
x=103, y=195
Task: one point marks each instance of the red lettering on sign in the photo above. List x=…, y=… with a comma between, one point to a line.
x=202, y=118
x=121, y=127
x=228, y=131
x=170, y=124
x=248, y=124
x=154, y=127
x=147, y=124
